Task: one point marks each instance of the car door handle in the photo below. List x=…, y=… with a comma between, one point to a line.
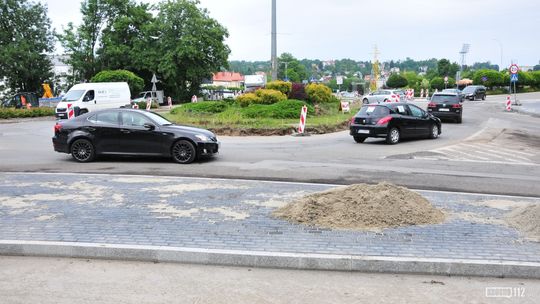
x=125, y=131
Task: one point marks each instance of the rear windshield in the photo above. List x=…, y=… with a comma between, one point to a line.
x=73, y=95
x=469, y=89
x=445, y=99
x=373, y=111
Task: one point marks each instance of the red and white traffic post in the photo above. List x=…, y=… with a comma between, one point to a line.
x=508, y=104
x=303, y=116
x=70, y=110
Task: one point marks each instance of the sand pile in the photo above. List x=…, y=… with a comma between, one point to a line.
x=362, y=206
x=527, y=220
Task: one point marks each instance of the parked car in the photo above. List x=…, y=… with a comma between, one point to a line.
x=393, y=121
x=131, y=132
x=382, y=96
x=446, y=105
x=87, y=97
x=455, y=91
x=474, y=92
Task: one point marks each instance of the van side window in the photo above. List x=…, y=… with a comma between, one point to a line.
x=89, y=96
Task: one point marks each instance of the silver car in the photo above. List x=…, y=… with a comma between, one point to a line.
x=383, y=96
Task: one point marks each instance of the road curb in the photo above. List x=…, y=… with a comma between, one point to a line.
x=263, y=259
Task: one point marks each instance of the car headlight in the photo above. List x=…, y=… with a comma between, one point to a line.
x=202, y=137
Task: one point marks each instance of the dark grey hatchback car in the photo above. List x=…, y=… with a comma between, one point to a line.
x=393, y=121
x=131, y=132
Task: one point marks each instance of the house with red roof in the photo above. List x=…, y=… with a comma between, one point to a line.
x=228, y=79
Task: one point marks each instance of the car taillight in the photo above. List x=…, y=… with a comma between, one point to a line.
x=57, y=128
x=431, y=105
x=456, y=106
x=352, y=120
x=384, y=120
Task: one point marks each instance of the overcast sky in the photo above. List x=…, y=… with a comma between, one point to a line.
x=336, y=29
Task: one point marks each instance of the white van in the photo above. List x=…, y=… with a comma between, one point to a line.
x=88, y=97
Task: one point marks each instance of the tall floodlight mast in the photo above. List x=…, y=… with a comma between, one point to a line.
x=274, y=43
x=463, y=52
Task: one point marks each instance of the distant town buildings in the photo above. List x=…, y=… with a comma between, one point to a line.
x=228, y=79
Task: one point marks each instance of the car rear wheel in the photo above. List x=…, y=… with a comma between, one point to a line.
x=359, y=139
x=434, y=131
x=82, y=150
x=365, y=101
x=393, y=136
x=459, y=119
x=483, y=97
x=183, y=152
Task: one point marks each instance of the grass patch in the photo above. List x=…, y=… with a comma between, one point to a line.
x=6, y=113
x=281, y=115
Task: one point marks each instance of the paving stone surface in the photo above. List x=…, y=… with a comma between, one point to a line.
x=232, y=214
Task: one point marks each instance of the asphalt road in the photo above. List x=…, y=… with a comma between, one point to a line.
x=55, y=280
x=491, y=152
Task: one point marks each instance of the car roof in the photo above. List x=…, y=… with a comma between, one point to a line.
x=446, y=93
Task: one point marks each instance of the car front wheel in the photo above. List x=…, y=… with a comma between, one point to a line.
x=393, y=136
x=365, y=101
x=183, y=152
x=82, y=150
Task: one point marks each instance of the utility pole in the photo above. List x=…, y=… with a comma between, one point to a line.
x=274, y=43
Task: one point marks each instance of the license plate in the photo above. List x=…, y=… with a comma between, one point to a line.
x=363, y=131
x=444, y=110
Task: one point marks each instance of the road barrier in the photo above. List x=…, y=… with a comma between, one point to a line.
x=70, y=110
x=303, y=116
x=135, y=106
x=508, y=104
x=422, y=93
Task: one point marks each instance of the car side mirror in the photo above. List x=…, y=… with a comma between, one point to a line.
x=86, y=99
x=149, y=126
x=428, y=98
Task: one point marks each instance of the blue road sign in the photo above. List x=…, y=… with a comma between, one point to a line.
x=514, y=78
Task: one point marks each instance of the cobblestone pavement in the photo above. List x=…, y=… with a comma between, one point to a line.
x=236, y=215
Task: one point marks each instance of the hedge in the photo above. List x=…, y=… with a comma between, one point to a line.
x=6, y=113
x=247, y=99
x=278, y=85
x=269, y=96
x=319, y=93
x=282, y=110
x=202, y=107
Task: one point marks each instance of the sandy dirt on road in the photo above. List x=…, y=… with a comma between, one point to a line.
x=527, y=220
x=362, y=206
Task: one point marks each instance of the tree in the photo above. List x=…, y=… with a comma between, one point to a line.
x=136, y=83
x=489, y=78
x=396, y=81
x=25, y=39
x=189, y=48
x=82, y=43
x=296, y=72
x=445, y=68
x=437, y=83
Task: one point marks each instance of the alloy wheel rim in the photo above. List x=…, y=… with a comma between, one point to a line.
x=394, y=135
x=435, y=131
x=182, y=152
x=82, y=151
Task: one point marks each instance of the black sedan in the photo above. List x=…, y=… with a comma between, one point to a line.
x=131, y=132
x=393, y=121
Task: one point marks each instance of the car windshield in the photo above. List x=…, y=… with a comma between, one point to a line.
x=444, y=98
x=469, y=89
x=451, y=90
x=73, y=95
x=373, y=111
x=160, y=120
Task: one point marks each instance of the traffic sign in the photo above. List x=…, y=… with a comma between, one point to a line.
x=514, y=69
x=445, y=79
x=514, y=78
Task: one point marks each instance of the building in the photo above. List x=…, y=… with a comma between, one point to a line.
x=228, y=79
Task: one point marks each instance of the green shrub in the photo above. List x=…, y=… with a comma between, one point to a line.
x=437, y=83
x=135, y=83
x=142, y=105
x=6, y=113
x=202, y=107
x=269, y=96
x=287, y=109
x=319, y=93
x=278, y=85
x=247, y=99
x=396, y=81
x=492, y=78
